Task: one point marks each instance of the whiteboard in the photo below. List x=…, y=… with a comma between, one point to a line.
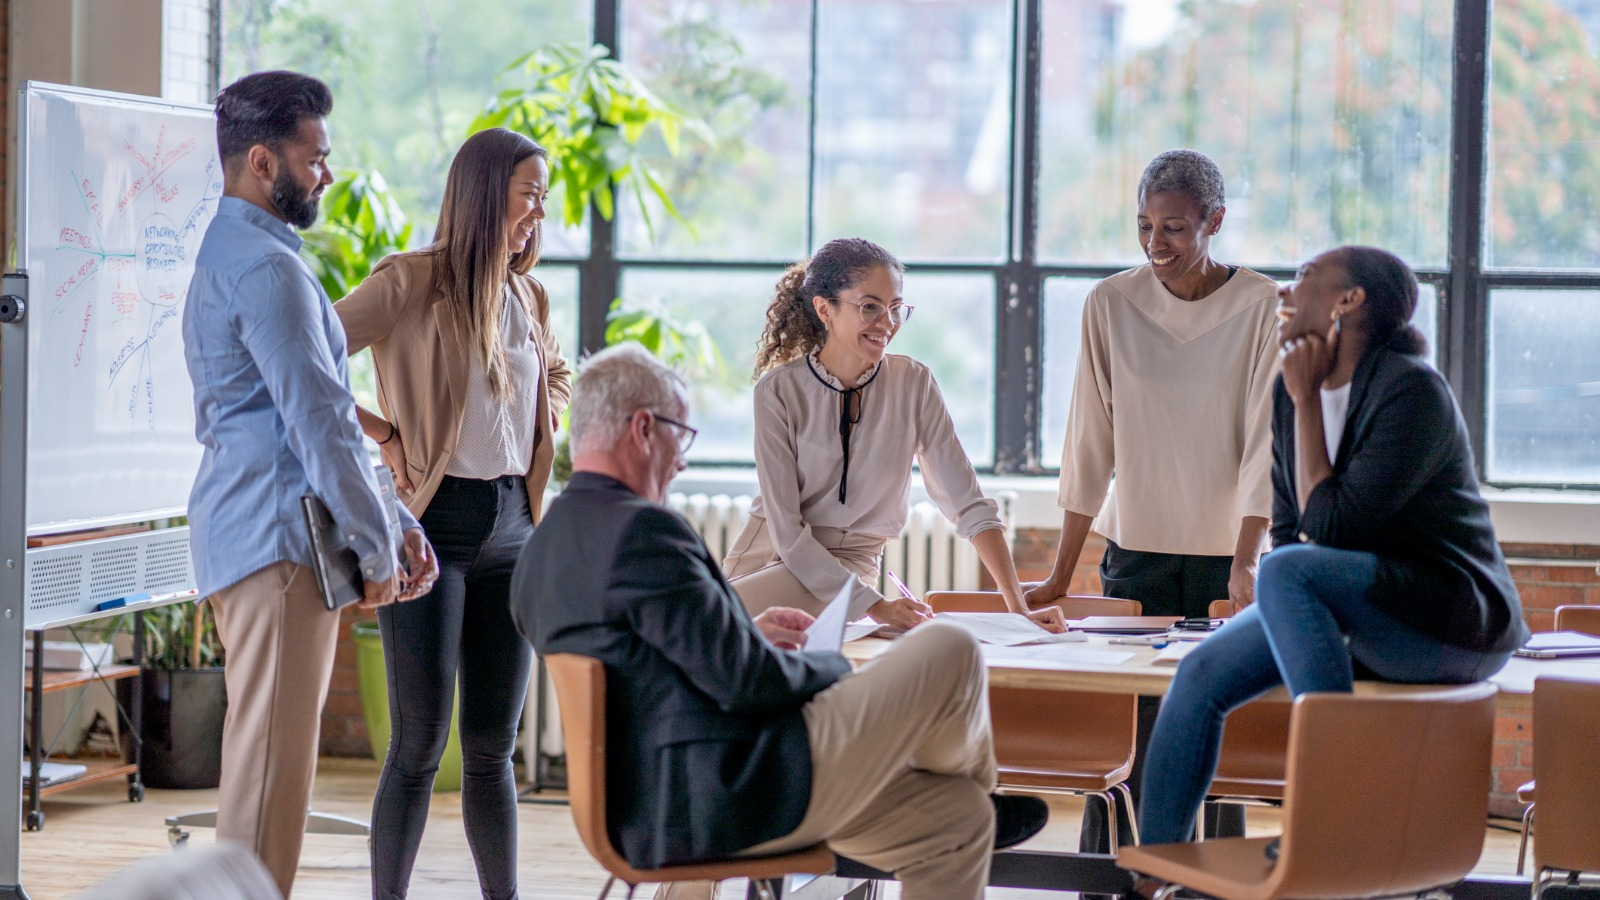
x=117, y=192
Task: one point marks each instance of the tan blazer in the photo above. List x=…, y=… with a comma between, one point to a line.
x=423, y=368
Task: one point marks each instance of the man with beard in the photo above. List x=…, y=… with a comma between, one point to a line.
x=273, y=410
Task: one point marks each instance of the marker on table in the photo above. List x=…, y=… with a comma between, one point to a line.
x=120, y=602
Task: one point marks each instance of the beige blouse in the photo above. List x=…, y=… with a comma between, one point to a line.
x=1174, y=398
x=799, y=461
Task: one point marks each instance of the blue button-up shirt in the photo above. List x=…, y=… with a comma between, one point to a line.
x=272, y=407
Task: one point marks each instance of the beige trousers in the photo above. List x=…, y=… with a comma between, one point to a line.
x=902, y=765
x=762, y=581
x=279, y=639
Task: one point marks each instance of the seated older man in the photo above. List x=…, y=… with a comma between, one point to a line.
x=724, y=738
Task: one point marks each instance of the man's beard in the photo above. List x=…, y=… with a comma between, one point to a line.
x=299, y=209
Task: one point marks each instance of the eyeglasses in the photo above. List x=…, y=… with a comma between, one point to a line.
x=685, y=438
x=872, y=312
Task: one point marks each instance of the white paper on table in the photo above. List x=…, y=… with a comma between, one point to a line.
x=1007, y=629
x=827, y=632
x=1173, y=653
x=857, y=630
x=1092, y=654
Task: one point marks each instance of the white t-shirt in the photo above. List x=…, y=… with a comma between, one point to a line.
x=497, y=435
x=1335, y=408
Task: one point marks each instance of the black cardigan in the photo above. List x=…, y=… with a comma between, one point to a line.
x=1404, y=488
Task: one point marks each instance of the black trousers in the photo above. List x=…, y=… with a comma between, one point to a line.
x=460, y=631
x=1167, y=584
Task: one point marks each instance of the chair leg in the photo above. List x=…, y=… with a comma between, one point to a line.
x=1111, y=817
x=1542, y=879
x=1167, y=891
x=1522, y=847
x=606, y=891
x=1127, y=800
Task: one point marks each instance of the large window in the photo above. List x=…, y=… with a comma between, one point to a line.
x=1009, y=187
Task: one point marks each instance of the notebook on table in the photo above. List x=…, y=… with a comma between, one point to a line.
x=336, y=563
x=1560, y=644
x=1123, y=624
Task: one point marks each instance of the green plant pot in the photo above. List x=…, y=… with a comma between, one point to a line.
x=370, y=673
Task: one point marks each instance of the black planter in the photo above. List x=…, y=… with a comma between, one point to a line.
x=183, y=711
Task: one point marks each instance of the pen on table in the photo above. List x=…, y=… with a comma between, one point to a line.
x=1156, y=643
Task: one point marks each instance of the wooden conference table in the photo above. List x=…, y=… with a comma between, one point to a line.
x=1137, y=674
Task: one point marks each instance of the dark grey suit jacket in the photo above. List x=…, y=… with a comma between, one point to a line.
x=708, y=752
x=1404, y=488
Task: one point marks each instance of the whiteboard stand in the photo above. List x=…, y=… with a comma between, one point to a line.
x=13, y=546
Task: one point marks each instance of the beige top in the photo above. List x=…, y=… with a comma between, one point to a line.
x=497, y=435
x=1175, y=398
x=799, y=461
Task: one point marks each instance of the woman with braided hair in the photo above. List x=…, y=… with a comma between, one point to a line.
x=839, y=421
x=1383, y=550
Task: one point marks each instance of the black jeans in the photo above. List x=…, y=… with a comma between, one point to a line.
x=1167, y=584
x=462, y=626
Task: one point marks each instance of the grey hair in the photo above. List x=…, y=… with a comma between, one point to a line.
x=1187, y=172
x=613, y=385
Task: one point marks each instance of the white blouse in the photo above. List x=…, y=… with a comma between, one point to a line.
x=799, y=461
x=496, y=436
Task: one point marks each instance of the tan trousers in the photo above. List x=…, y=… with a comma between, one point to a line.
x=902, y=765
x=279, y=639
x=761, y=580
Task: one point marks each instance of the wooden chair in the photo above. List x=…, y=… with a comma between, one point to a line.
x=1585, y=619
x=1424, y=749
x=1255, y=746
x=580, y=683
x=1566, y=732
x=1051, y=742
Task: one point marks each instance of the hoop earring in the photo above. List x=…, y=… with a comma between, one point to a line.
x=1338, y=325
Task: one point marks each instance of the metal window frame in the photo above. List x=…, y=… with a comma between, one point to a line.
x=1463, y=285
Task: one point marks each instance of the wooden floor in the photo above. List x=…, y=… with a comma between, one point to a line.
x=92, y=833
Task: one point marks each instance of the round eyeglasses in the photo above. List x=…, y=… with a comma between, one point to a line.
x=872, y=311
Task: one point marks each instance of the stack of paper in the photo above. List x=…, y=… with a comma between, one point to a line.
x=52, y=772
x=69, y=655
x=1006, y=629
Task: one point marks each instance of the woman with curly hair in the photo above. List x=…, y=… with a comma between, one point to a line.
x=839, y=421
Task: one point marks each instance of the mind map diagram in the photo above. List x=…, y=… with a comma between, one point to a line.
x=129, y=256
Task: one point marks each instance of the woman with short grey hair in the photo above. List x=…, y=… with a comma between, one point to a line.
x=1174, y=395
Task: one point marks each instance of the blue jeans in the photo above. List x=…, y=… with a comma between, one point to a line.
x=1310, y=600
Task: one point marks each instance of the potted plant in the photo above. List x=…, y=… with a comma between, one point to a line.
x=183, y=695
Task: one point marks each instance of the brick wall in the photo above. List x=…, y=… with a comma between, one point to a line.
x=344, y=731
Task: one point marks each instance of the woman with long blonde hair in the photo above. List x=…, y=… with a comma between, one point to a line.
x=471, y=384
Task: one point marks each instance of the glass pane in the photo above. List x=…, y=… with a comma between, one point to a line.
x=1426, y=318
x=405, y=85
x=953, y=334
x=1063, y=335
x=743, y=69
x=731, y=306
x=1330, y=122
x=1544, y=387
x=561, y=284
x=913, y=125
x=1544, y=176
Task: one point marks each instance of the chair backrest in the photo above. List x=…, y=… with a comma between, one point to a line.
x=580, y=683
x=1585, y=619
x=1073, y=606
x=1566, y=766
x=1396, y=781
x=1222, y=609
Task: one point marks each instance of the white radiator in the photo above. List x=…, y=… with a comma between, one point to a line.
x=930, y=556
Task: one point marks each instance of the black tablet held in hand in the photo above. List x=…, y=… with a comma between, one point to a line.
x=335, y=562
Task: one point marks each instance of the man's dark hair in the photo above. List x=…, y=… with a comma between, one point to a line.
x=267, y=108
